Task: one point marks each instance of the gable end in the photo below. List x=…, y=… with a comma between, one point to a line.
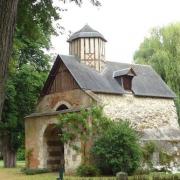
x=59, y=79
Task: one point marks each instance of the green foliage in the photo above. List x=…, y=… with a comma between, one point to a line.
x=162, y=50
x=117, y=149
x=28, y=171
x=22, y=91
x=21, y=154
x=148, y=149
x=85, y=170
x=84, y=124
x=140, y=177
x=141, y=171
x=165, y=177
x=165, y=158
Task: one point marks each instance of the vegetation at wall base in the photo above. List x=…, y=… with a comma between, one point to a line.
x=28, y=171
x=117, y=149
x=86, y=170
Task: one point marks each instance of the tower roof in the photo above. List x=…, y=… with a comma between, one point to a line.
x=86, y=31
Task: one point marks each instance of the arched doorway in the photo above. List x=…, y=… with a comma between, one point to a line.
x=54, y=156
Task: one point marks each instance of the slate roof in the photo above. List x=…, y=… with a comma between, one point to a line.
x=146, y=82
x=86, y=31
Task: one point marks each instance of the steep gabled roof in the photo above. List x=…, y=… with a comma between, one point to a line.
x=146, y=82
x=86, y=31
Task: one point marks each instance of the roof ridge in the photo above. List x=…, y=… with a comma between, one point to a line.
x=136, y=64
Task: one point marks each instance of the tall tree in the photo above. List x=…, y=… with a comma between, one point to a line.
x=22, y=89
x=34, y=28
x=162, y=50
x=7, y=25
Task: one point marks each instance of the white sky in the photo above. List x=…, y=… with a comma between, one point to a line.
x=124, y=23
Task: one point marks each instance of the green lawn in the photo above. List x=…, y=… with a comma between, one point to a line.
x=16, y=174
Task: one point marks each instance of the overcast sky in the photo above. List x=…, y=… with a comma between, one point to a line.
x=124, y=23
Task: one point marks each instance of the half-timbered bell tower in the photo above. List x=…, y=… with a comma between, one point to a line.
x=89, y=45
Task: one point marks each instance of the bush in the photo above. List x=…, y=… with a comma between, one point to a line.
x=28, y=171
x=140, y=177
x=87, y=170
x=117, y=149
x=165, y=177
x=21, y=154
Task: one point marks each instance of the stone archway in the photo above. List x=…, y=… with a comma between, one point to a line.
x=54, y=148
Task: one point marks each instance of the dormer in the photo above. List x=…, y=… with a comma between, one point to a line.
x=125, y=77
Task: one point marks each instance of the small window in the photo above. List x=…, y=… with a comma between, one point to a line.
x=62, y=107
x=127, y=82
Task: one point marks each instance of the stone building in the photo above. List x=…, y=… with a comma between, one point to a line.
x=128, y=91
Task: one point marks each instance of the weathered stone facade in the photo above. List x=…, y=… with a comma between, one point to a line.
x=73, y=99
x=155, y=118
x=35, y=127
x=142, y=112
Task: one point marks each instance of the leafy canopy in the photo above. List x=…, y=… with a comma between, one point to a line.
x=162, y=50
x=22, y=90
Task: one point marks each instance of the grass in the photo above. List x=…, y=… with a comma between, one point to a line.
x=16, y=174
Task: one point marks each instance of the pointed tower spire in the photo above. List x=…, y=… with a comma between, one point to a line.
x=89, y=45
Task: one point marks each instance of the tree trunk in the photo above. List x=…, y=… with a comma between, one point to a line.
x=8, y=10
x=9, y=154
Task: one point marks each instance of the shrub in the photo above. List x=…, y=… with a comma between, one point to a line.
x=140, y=177
x=141, y=171
x=28, y=171
x=21, y=154
x=87, y=170
x=165, y=177
x=117, y=149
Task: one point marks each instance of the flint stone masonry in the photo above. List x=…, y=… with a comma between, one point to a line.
x=142, y=112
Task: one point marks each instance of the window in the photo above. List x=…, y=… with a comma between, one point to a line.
x=127, y=82
x=62, y=107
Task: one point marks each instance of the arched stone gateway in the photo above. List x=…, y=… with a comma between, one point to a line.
x=53, y=148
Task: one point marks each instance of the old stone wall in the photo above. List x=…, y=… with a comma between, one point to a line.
x=35, y=142
x=142, y=112
x=36, y=126
x=73, y=98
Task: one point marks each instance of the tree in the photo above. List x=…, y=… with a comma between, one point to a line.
x=117, y=149
x=162, y=50
x=22, y=91
x=7, y=26
x=33, y=30
x=33, y=12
